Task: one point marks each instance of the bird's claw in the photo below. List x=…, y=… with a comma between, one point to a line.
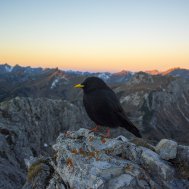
x=95, y=129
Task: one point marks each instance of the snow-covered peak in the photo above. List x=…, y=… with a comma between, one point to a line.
x=8, y=68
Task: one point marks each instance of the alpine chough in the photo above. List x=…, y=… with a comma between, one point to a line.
x=103, y=106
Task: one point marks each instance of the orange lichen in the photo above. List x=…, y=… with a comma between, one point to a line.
x=82, y=152
x=91, y=154
x=69, y=162
x=74, y=151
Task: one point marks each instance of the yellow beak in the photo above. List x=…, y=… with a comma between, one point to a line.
x=79, y=86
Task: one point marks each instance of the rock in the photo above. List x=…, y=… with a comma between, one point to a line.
x=182, y=160
x=155, y=166
x=38, y=174
x=31, y=124
x=183, y=154
x=167, y=149
x=55, y=183
x=26, y=124
x=142, y=142
x=157, y=105
x=122, y=181
x=84, y=160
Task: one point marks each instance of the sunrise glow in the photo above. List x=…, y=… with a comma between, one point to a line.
x=100, y=35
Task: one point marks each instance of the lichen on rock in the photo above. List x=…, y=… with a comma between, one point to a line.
x=83, y=160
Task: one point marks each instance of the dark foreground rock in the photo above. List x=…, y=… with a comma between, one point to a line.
x=28, y=128
x=84, y=160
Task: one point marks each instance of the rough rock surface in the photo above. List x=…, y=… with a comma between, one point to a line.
x=84, y=160
x=28, y=127
x=182, y=160
x=167, y=149
x=157, y=104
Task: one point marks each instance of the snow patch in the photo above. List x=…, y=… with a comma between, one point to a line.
x=8, y=68
x=54, y=83
x=45, y=145
x=104, y=76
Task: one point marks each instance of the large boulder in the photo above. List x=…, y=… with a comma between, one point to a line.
x=28, y=127
x=84, y=160
x=167, y=149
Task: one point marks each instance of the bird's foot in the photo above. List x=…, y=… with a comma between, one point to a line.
x=107, y=135
x=95, y=129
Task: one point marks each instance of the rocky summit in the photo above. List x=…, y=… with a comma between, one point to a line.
x=28, y=127
x=84, y=160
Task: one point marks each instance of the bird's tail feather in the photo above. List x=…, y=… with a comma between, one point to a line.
x=127, y=124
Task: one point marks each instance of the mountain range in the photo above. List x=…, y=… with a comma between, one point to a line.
x=156, y=102
x=38, y=104
x=54, y=83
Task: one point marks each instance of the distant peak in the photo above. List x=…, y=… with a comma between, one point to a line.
x=153, y=72
x=122, y=72
x=170, y=70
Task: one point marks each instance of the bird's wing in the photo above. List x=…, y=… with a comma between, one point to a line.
x=114, y=103
x=123, y=119
x=102, y=106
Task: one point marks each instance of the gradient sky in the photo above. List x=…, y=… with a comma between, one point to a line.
x=95, y=35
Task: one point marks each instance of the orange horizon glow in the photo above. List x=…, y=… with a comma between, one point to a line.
x=86, y=36
x=98, y=61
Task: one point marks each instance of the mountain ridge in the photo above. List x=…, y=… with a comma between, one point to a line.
x=8, y=68
x=35, y=107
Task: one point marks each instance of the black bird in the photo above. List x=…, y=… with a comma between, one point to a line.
x=103, y=106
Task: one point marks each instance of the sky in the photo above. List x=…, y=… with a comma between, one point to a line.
x=95, y=35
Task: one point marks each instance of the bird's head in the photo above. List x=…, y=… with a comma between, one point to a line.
x=92, y=84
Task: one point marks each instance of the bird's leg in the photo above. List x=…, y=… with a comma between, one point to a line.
x=107, y=133
x=95, y=129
